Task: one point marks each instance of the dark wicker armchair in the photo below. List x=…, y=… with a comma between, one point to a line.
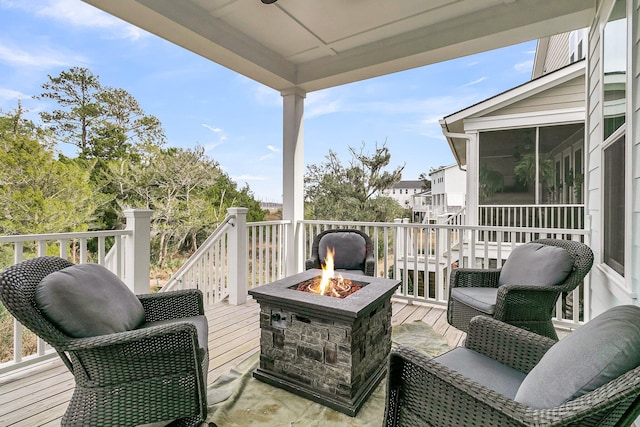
x=353, y=251
x=155, y=371
x=522, y=301
x=480, y=384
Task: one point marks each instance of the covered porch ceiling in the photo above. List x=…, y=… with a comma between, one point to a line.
x=313, y=45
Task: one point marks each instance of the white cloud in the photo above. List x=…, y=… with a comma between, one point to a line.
x=524, y=66
x=212, y=129
x=335, y=101
x=246, y=177
x=475, y=82
x=38, y=57
x=323, y=102
x=210, y=146
x=267, y=96
x=272, y=150
x=10, y=94
x=438, y=107
x=221, y=137
x=78, y=14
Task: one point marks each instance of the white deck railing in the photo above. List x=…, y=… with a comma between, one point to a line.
x=240, y=255
x=208, y=269
x=106, y=248
x=537, y=216
x=423, y=255
x=76, y=247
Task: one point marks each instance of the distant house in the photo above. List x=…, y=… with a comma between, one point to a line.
x=271, y=206
x=448, y=191
x=404, y=191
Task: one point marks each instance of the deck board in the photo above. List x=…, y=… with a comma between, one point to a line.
x=38, y=395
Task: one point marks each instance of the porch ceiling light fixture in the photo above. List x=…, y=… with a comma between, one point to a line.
x=269, y=1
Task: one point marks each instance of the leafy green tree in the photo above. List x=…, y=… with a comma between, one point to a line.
x=75, y=92
x=334, y=191
x=103, y=122
x=187, y=191
x=426, y=182
x=39, y=194
x=124, y=128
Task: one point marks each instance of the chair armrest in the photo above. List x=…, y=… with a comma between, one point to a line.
x=312, y=263
x=370, y=265
x=508, y=344
x=474, y=277
x=135, y=355
x=525, y=302
x=135, y=336
x=172, y=305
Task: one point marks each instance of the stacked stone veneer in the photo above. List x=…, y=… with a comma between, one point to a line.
x=338, y=357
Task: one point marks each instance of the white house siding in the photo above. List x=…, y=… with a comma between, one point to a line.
x=557, y=52
x=566, y=95
x=607, y=289
x=634, y=94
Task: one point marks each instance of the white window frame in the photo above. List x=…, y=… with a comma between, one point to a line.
x=622, y=282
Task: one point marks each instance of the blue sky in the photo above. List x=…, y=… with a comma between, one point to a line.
x=239, y=121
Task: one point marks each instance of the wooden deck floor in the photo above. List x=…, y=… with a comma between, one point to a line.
x=38, y=395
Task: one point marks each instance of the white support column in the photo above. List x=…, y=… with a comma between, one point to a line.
x=238, y=257
x=473, y=176
x=293, y=175
x=138, y=250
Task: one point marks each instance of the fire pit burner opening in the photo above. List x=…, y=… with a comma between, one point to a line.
x=336, y=287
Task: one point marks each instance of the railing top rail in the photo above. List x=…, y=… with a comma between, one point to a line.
x=448, y=226
x=69, y=235
x=273, y=222
x=349, y=223
x=554, y=205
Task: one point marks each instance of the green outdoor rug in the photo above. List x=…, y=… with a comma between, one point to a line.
x=237, y=399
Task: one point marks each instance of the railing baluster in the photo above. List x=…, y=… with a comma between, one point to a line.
x=37, y=245
x=438, y=261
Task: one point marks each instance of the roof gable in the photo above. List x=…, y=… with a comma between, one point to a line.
x=561, y=90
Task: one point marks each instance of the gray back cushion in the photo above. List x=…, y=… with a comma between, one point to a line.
x=596, y=353
x=536, y=264
x=350, y=250
x=87, y=300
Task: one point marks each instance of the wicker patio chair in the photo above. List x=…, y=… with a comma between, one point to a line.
x=525, y=290
x=483, y=383
x=152, y=371
x=353, y=251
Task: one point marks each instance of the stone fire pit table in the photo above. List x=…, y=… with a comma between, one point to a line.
x=330, y=350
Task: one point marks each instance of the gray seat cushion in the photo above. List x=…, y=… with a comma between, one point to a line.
x=596, y=353
x=87, y=300
x=200, y=322
x=482, y=299
x=536, y=264
x=484, y=370
x=350, y=250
